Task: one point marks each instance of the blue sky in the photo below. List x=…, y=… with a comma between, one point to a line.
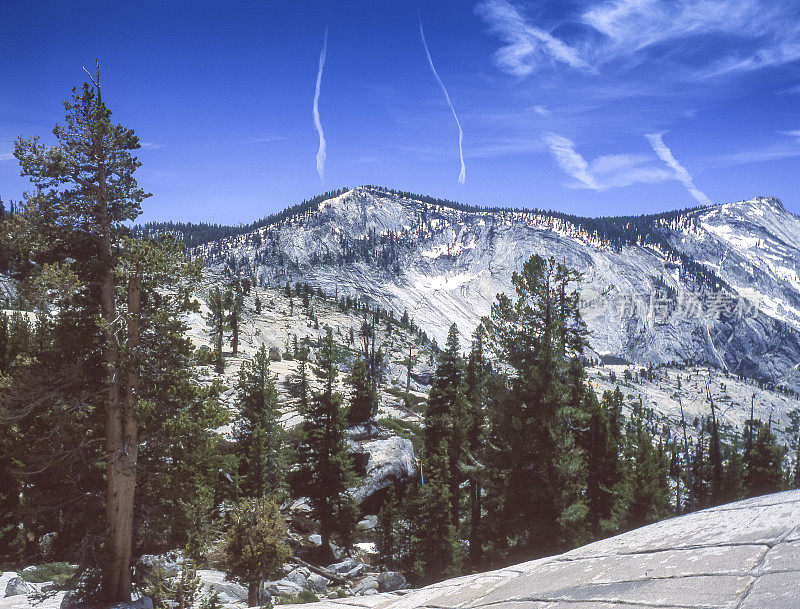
x=599, y=108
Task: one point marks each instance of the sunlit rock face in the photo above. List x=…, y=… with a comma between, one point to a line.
x=716, y=285
x=743, y=555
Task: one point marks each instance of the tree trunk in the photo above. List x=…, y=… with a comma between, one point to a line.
x=475, y=526
x=122, y=447
x=253, y=589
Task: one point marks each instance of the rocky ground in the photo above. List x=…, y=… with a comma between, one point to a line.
x=744, y=555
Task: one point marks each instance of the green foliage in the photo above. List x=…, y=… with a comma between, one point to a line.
x=253, y=548
x=387, y=532
x=364, y=398
x=57, y=572
x=763, y=465
x=534, y=338
x=324, y=460
x=257, y=430
x=436, y=520
x=218, y=322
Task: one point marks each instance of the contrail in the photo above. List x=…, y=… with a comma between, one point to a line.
x=665, y=154
x=321, y=154
x=447, y=97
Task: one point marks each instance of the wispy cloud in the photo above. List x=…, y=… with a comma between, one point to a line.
x=150, y=145
x=606, y=171
x=321, y=152
x=570, y=160
x=526, y=45
x=739, y=35
x=681, y=174
x=6, y=156
x=462, y=174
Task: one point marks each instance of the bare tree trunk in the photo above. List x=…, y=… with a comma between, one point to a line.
x=252, y=594
x=122, y=446
x=475, y=526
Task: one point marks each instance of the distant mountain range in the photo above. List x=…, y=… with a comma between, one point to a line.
x=717, y=285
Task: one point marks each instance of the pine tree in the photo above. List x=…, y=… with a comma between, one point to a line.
x=257, y=430
x=235, y=302
x=715, y=457
x=108, y=297
x=644, y=487
x=534, y=338
x=324, y=456
x=387, y=540
x=254, y=547
x=478, y=377
x=438, y=518
x=218, y=323
x=763, y=465
x=364, y=398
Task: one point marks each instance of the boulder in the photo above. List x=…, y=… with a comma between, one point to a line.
x=366, y=586
x=315, y=540
x=143, y=602
x=389, y=460
x=317, y=583
x=17, y=586
x=348, y=564
x=229, y=592
x=274, y=354
x=170, y=562
x=389, y=581
x=368, y=522
x=299, y=576
x=282, y=586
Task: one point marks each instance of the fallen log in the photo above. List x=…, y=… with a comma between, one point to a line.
x=326, y=573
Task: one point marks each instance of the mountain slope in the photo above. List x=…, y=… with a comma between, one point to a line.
x=716, y=285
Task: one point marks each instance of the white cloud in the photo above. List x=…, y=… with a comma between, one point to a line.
x=570, y=160
x=606, y=171
x=526, y=45
x=744, y=35
x=6, y=156
x=681, y=174
x=149, y=146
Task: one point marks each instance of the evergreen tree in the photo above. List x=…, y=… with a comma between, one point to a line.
x=364, y=398
x=438, y=518
x=235, y=303
x=534, y=338
x=715, y=457
x=324, y=457
x=254, y=547
x=257, y=430
x=387, y=532
x=115, y=307
x=218, y=323
x=763, y=465
x=644, y=488
x=478, y=379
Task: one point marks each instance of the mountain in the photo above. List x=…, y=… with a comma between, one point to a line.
x=716, y=285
